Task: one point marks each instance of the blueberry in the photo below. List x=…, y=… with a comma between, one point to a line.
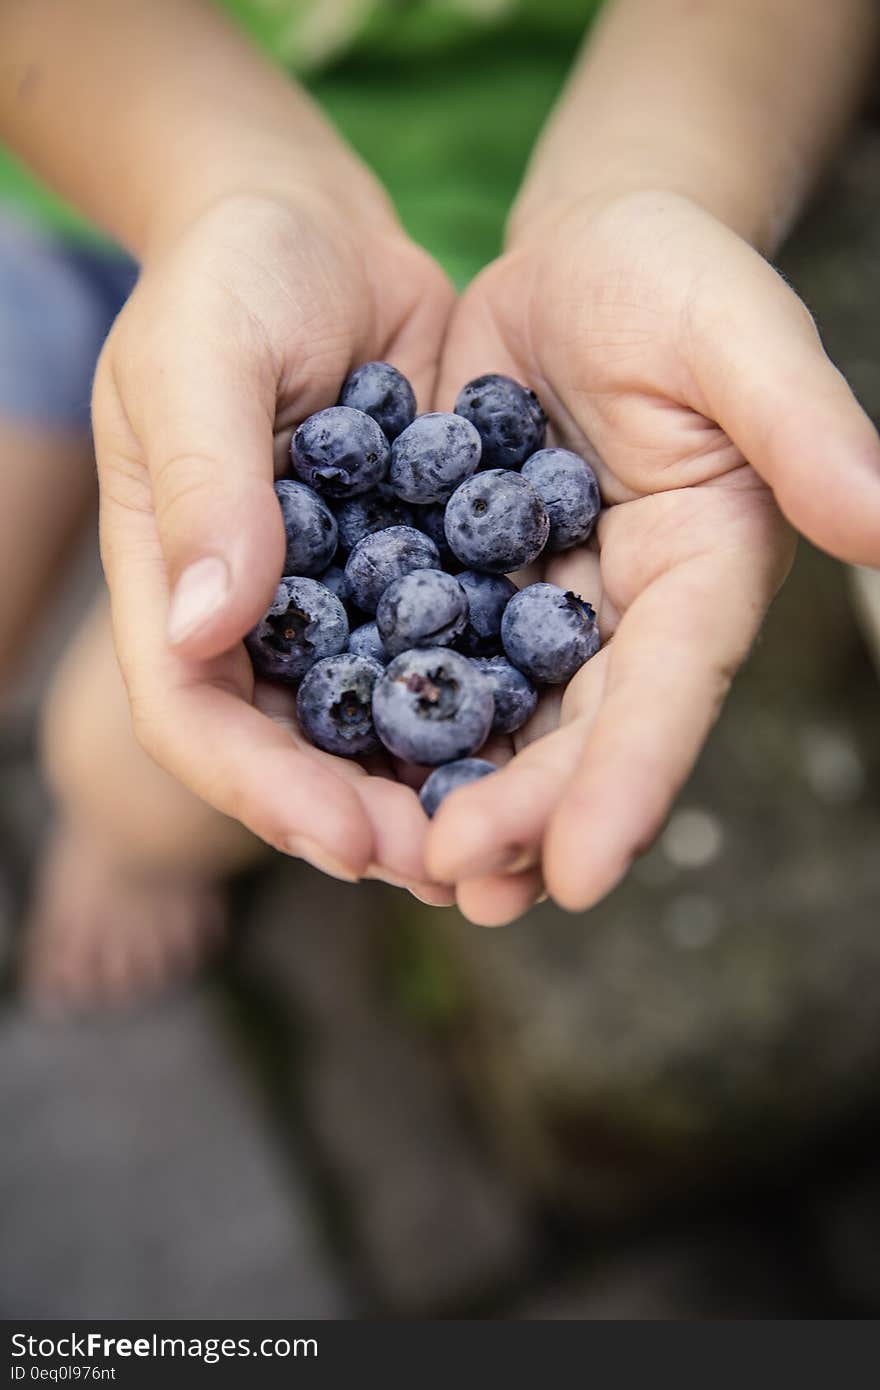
x=510, y=420
x=425, y=608
x=374, y=511
x=448, y=778
x=548, y=633
x=381, y=391
x=334, y=704
x=496, y=521
x=340, y=451
x=515, y=696
x=309, y=528
x=304, y=623
x=432, y=520
x=383, y=556
x=488, y=596
x=334, y=580
x=570, y=491
x=431, y=457
x=432, y=706
x=366, y=641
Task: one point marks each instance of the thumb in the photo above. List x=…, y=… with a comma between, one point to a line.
x=760, y=366
x=202, y=416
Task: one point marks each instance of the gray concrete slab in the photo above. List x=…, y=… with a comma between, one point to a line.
x=432, y=1213
x=138, y=1177
x=723, y=1272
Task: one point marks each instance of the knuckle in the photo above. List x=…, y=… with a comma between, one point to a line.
x=182, y=481
x=146, y=727
x=124, y=482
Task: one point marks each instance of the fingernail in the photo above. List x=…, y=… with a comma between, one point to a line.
x=386, y=876
x=432, y=894
x=423, y=895
x=300, y=847
x=513, y=861
x=375, y=871
x=199, y=592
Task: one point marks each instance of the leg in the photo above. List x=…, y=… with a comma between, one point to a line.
x=47, y=489
x=126, y=888
x=57, y=301
x=127, y=897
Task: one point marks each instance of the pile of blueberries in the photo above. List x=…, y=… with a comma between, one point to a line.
x=395, y=616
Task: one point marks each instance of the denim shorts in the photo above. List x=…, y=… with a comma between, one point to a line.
x=58, y=300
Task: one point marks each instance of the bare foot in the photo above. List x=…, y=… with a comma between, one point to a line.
x=101, y=936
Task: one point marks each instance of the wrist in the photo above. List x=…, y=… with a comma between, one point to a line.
x=761, y=221
x=734, y=107
x=328, y=188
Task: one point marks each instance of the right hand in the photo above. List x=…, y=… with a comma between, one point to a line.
x=246, y=324
x=669, y=351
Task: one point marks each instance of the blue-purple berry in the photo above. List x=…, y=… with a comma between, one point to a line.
x=449, y=778
x=488, y=596
x=515, y=696
x=432, y=520
x=366, y=641
x=383, y=556
x=382, y=392
x=549, y=633
x=304, y=623
x=425, y=608
x=433, y=706
x=309, y=528
x=340, y=452
x=334, y=705
x=376, y=510
x=333, y=578
x=432, y=456
x=508, y=417
x=570, y=491
x=496, y=521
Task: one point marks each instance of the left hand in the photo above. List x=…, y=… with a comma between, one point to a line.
x=245, y=323
x=660, y=342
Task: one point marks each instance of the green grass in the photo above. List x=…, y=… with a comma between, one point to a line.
x=449, y=138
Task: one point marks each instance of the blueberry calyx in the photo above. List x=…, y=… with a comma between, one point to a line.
x=437, y=692
x=287, y=627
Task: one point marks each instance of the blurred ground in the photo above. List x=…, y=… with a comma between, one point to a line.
x=669, y=1108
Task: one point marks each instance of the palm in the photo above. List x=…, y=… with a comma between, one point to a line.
x=688, y=555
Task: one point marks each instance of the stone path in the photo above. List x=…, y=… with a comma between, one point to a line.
x=139, y=1177
x=435, y=1222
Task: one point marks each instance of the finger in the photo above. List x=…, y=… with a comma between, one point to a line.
x=199, y=403
x=495, y=825
x=398, y=822
x=669, y=668
x=764, y=376
x=399, y=831
x=248, y=767
x=474, y=345
x=495, y=901
x=580, y=570
x=414, y=335
x=196, y=720
x=577, y=569
x=433, y=897
x=545, y=720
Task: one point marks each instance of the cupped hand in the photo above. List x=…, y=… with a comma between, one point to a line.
x=671, y=354
x=247, y=323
